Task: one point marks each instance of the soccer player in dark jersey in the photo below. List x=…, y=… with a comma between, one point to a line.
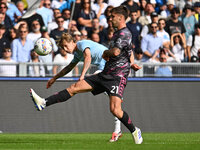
x=112, y=79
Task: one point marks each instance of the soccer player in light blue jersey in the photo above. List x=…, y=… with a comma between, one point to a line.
x=85, y=50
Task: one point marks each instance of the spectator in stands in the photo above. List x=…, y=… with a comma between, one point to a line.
x=181, y=4
x=107, y=15
x=197, y=11
x=4, y=18
x=66, y=14
x=4, y=41
x=173, y=25
x=138, y=54
x=146, y=19
x=56, y=33
x=164, y=55
x=21, y=23
x=76, y=10
x=84, y=35
x=65, y=58
x=12, y=34
x=151, y=42
x=35, y=70
x=72, y=27
x=77, y=36
x=110, y=35
x=143, y=4
x=193, y=42
x=95, y=37
x=162, y=33
x=135, y=27
x=86, y=16
x=162, y=70
x=7, y=70
x=47, y=4
x=35, y=31
x=95, y=27
x=57, y=3
x=178, y=46
x=45, y=12
x=99, y=7
x=132, y=6
x=48, y=58
x=29, y=19
x=145, y=29
x=53, y=25
x=20, y=7
x=104, y=33
x=12, y=11
x=166, y=10
x=22, y=46
x=188, y=20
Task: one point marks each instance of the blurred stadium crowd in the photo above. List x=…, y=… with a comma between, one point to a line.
x=162, y=31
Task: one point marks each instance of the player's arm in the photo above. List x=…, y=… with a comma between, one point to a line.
x=63, y=72
x=111, y=53
x=87, y=62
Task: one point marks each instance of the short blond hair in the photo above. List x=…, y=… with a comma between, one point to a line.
x=65, y=36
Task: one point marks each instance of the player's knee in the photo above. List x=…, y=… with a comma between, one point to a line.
x=72, y=89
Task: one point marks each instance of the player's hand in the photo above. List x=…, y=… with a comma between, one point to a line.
x=81, y=78
x=50, y=82
x=135, y=67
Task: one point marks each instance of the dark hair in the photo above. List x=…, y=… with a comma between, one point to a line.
x=162, y=19
x=123, y=10
x=138, y=51
x=65, y=10
x=4, y=4
x=176, y=10
x=2, y=26
x=197, y=25
x=59, y=18
x=82, y=4
x=108, y=9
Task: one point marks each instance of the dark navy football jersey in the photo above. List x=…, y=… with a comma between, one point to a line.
x=120, y=65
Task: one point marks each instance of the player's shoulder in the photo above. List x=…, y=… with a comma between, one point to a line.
x=124, y=32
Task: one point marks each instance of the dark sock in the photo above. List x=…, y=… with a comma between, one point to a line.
x=58, y=97
x=127, y=122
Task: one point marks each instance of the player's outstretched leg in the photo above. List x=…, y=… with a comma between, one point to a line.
x=117, y=131
x=62, y=96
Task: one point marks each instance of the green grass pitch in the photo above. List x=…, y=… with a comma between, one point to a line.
x=98, y=141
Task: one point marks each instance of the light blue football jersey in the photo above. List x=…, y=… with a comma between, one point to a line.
x=96, y=51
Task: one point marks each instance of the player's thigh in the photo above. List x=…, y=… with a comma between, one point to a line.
x=80, y=87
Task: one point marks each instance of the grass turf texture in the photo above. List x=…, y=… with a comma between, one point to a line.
x=97, y=141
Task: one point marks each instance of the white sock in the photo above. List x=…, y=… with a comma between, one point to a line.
x=117, y=125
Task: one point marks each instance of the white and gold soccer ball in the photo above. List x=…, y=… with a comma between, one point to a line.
x=43, y=46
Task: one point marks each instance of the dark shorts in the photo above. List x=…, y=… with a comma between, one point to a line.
x=113, y=86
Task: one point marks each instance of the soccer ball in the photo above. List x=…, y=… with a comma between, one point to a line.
x=43, y=46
